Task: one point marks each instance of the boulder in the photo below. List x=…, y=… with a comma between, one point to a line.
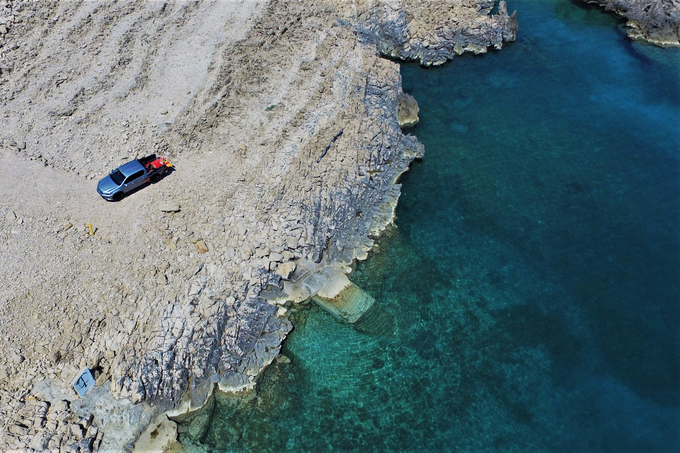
x=407, y=111
x=285, y=270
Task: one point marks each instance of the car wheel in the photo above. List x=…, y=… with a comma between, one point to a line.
x=119, y=196
x=155, y=179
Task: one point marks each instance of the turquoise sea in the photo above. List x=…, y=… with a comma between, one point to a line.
x=529, y=297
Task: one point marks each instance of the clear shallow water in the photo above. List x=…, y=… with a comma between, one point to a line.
x=529, y=298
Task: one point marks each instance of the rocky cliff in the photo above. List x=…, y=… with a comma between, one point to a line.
x=181, y=285
x=654, y=21
x=432, y=33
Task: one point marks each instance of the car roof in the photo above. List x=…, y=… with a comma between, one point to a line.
x=131, y=168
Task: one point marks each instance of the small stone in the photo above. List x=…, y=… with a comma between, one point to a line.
x=39, y=442
x=85, y=420
x=292, y=242
x=60, y=406
x=200, y=245
x=76, y=431
x=92, y=432
x=55, y=443
x=3, y=30
x=169, y=206
x=195, y=290
x=18, y=430
x=101, y=380
x=17, y=359
x=276, y=257
x=86, y=444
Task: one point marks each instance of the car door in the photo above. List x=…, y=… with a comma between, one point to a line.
x=133, y=181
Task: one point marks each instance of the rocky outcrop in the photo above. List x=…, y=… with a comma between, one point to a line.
x=407, y=111
x=175, y=289
x=654, y=21
x=38, y=425
x=433, y=32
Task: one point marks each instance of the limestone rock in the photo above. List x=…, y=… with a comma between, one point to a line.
x=158, y=436
x=655, y=21
x=17, y=359
x=285, y=270
x=343, y=299
x=407, y=111
x=201, y=247
x=438, y=30
x=169, y=206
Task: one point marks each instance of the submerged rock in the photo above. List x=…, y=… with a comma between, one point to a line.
x=160, y=435
x=348, y=305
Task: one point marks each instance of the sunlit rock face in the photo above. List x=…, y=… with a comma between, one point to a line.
x=433, y=32
x=655, y=21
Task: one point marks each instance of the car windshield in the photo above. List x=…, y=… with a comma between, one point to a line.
x=117, y=177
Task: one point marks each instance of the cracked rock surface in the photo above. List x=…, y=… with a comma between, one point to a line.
x=173, y=292
x=654, y=21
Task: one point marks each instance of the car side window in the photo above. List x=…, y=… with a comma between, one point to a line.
x=134, y=176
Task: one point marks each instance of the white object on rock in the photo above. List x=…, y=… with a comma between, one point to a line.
x=83, y=382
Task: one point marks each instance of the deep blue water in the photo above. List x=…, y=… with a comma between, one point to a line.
x=529, y=297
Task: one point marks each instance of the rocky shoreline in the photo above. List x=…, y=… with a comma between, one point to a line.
x=654, y=21
x=187, y=284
